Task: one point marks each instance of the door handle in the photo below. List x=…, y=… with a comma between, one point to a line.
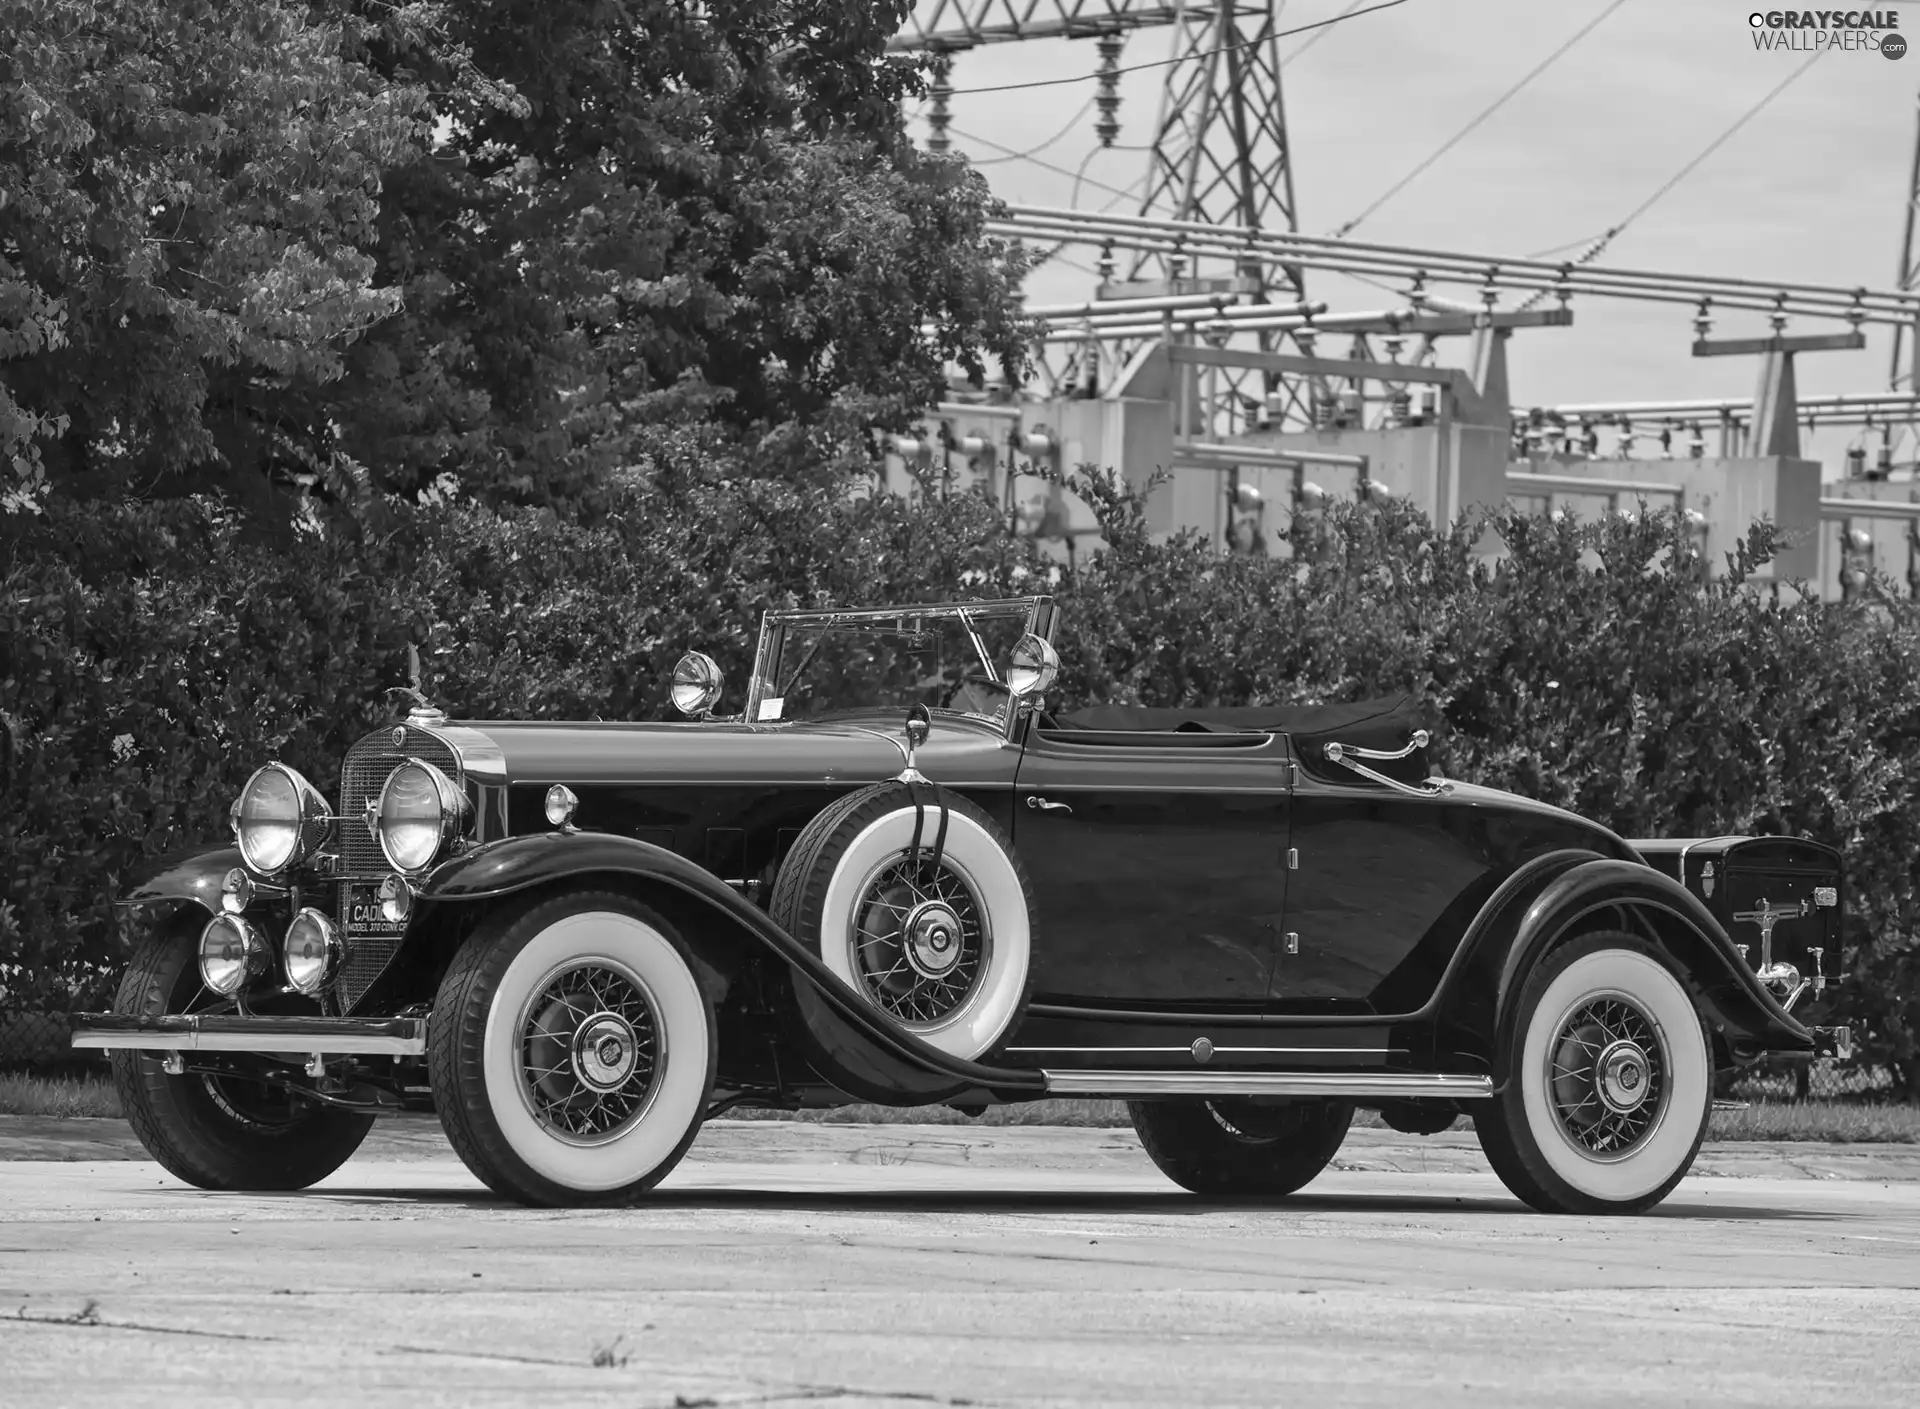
x=1040, y=804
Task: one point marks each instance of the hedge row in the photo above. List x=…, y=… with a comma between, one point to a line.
x=151, y=656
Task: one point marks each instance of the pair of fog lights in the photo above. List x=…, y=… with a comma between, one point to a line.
x=234, y=952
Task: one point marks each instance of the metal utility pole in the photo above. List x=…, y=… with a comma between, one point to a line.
x=1909, y=274
x=1219, y=153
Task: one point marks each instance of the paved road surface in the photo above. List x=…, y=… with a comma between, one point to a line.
x=844, y=1265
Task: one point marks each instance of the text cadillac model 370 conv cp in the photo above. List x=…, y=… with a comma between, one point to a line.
x=902, y=873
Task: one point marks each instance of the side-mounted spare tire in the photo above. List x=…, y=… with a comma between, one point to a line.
x=912, y=896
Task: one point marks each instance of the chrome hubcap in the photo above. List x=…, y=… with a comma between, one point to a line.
x=605, y=1051
x=1606, y=1076
x=933, y=939
x=590, y=1048
x=1623, y=1083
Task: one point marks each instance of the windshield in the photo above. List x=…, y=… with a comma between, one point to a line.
x=950, y=658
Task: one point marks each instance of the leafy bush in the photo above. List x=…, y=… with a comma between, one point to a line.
x=151, y=656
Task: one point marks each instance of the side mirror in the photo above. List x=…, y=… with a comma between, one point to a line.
x=1032, y=668
x=696, y=685
x=919, y=725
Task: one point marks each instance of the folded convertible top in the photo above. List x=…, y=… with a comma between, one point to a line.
x=1387, y=723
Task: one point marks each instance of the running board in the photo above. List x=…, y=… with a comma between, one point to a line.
x=1369, y=1085
x=189, y=1032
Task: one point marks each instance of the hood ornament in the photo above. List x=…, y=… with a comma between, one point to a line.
x=424, y=712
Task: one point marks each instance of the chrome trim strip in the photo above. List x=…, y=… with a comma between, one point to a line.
x=1352, y=1085
x=186, y=1032
x=1186, y=1048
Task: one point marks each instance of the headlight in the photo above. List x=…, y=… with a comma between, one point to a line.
x=231, y=952
x=313, y=951
x=279, y=820
x=419, y=812
x=696, y=684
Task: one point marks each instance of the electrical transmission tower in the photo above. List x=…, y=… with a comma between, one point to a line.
x=1909, y=274
x=1219, y=152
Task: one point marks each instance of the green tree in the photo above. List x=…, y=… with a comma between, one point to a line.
x=639, y=215
x=188, y=196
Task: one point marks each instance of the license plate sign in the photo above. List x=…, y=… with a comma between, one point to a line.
x=362, y=912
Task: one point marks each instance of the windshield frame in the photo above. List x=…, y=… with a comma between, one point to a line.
x=1038, y=613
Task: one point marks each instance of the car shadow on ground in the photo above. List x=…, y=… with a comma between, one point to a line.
x=1172, y=1204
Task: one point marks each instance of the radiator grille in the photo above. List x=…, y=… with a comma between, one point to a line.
x=361, y=777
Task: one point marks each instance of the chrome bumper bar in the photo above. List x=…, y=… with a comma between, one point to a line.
x=186, y=1032
x=1356, y=1085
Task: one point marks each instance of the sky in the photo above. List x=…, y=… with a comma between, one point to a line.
x=1812, y=189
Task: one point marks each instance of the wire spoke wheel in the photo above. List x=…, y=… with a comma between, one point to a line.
x=590, y=1046
x=1609, y=1080
x=913, y=898
x=1606, y=1070
x=920, y=939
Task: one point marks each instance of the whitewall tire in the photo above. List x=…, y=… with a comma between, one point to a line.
x=1609, y=1085
x=572, y=1051
x=917, y=902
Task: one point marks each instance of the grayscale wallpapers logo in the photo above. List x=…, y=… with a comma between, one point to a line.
x=1814, y=31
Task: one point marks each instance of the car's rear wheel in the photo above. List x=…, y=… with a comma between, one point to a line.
x=572, y=1050
x=1239, y=1147
x=913, y=897
x=218, y=1132
x=1609, y=1086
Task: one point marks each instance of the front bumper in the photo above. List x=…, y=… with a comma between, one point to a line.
x=186, y=1032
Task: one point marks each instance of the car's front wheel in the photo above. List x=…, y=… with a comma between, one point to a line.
x=1241, y=1147
x=218, y=1131
x=1610, y=1083
x=572, y=1050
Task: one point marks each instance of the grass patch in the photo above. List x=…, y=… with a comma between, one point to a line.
x=1843, y=1122
x=89, y=1095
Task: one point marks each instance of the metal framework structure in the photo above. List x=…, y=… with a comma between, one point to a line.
x=1219, y=153
x=1909, y=275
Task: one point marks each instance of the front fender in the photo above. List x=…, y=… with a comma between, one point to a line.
x=190, y=877
x=1554, y=893
x=858, y=1049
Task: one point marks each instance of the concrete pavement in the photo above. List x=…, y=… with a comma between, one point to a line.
x=826, y=1264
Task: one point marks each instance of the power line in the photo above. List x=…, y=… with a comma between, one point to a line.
x=1592, y=252
x=1166, y=63
x=1485, y=113
x=1559, y=249
x=1320, y=34
x=1032, y=152
x=1044, y=165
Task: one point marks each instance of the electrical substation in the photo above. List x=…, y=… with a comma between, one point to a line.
x=1202, y=349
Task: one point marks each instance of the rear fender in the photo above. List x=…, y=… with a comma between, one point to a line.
x=856, y=1048
x=1564, y=894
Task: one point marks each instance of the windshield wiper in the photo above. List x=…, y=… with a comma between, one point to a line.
x=980, y=648
x=807, y=659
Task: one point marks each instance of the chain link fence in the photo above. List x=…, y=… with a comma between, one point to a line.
x=36, y=1040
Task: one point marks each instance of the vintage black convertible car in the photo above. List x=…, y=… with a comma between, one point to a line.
x=904, y=874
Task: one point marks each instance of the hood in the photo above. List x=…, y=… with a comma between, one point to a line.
x=845, y=749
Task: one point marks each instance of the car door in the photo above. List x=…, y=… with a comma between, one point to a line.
x=1387, y=885
x=1158, y=866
